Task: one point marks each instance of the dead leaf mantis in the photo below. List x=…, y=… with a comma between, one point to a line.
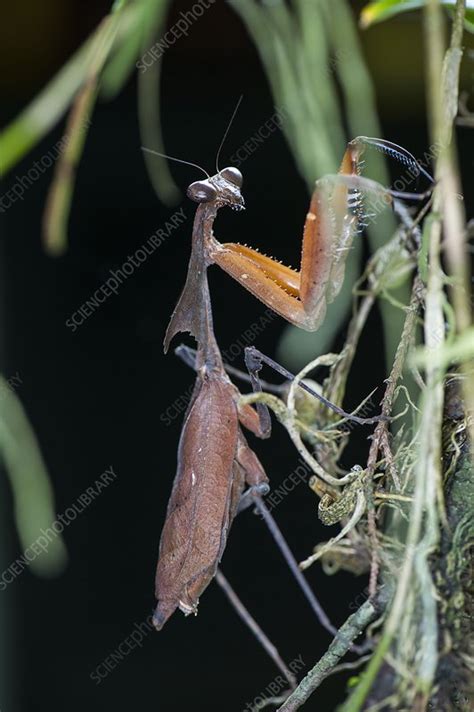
x=214, y=459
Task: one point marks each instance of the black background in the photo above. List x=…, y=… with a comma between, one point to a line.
x=97, y=397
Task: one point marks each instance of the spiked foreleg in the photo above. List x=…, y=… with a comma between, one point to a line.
x=299, y=297
x=261, y=276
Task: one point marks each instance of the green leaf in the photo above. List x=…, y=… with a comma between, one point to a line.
x=43, y=113
x=382, y=10
x=32, y=492
x=149, y=111
x=61, y=192
x=144, y=24
x=50, y=105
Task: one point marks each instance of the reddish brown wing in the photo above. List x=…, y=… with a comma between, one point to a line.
x=198, y=516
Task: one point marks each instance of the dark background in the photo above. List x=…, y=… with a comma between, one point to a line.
x=97, y=397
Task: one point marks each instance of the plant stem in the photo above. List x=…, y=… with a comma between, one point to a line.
x=423, y=532
x=348, y=632
x=450, y=188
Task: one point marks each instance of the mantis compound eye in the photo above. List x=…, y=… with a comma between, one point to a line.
x=201, y=192
x=233, y=175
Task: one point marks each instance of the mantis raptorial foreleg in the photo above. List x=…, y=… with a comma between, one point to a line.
x=333, y=219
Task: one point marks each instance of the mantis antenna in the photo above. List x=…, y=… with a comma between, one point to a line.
x=178, y=160
x=227, y=131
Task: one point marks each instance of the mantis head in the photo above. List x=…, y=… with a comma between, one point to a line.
x=222, y=189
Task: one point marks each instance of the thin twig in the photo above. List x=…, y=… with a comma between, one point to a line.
x=251, y=623
x=295, y=570
x=380, y=439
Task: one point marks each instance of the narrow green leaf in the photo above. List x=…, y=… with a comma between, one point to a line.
x=147, y=20
x=32, y=491
x=44, y=112
x=60, y=194
x=50, y=105
x=149, y=104
x=382, y=10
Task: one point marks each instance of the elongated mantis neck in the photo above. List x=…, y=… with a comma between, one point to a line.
x=193, y=312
